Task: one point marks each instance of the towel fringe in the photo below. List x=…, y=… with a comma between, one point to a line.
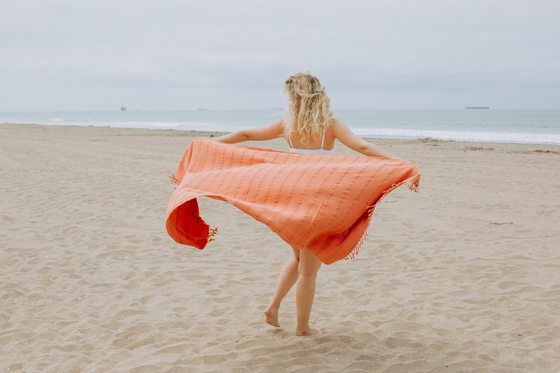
x=173, y=180
x=211, y=233
x=356, y=250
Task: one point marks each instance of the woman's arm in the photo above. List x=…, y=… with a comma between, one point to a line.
x=270, y=132
x=355, y=142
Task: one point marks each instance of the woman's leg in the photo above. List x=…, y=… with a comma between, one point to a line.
x=286, y=280
x=305, y=291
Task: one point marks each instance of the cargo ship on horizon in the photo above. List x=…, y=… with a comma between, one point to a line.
x=477, y=107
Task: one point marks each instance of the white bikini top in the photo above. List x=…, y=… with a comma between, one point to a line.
x=312, y=151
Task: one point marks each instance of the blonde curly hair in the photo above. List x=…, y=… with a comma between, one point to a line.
x=309, y=109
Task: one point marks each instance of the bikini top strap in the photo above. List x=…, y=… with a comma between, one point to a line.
x=322, y=142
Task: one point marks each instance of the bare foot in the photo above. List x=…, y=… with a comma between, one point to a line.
x=271, y=314
x=310, y=331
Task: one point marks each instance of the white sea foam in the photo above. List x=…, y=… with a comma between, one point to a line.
x=511, y=126
x=167, y=125
x=509, y=137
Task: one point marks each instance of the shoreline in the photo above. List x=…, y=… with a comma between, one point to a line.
x=506, y=126
x=469, y=145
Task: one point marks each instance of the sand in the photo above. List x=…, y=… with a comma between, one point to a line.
x=462, y=277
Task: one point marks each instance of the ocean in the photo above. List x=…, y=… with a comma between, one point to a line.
x=490, y=125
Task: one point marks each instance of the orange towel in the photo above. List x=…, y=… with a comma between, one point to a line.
x=322, y=203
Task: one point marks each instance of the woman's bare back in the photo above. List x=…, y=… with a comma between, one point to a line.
x=315, y=141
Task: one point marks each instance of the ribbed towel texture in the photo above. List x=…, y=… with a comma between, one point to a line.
x=322, y=203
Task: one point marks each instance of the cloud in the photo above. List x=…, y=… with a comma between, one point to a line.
x=402, y=49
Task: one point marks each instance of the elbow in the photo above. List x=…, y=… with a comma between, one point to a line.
x=365, y=149
x=243, y=136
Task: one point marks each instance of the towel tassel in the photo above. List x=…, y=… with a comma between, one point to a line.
x=173, y=180
x=211, y=233
x=356, y=250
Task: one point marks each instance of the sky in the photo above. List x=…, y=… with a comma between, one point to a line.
x=185, y=55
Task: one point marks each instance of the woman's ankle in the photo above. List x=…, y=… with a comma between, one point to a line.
x=304, y=331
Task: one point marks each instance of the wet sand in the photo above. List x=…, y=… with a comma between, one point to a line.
x=462, y=277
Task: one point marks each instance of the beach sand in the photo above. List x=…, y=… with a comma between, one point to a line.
x=462, y=277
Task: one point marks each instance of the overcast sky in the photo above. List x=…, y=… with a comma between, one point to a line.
x=236, y=54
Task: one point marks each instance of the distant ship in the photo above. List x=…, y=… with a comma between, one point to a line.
x=201, y=109
x=477, y=107
x=277, y=108
x=123, y=108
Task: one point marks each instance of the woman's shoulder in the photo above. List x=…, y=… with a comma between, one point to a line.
x=337, y=123
x=279, y=127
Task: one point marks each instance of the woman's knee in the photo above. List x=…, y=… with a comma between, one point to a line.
x=309, y=264
x=307, y=273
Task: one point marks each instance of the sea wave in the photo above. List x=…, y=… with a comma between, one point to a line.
x=506, y=137
x=166, y=125
x=508, y=126
x=56, y=120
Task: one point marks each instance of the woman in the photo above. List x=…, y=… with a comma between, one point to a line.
x=309, y=128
